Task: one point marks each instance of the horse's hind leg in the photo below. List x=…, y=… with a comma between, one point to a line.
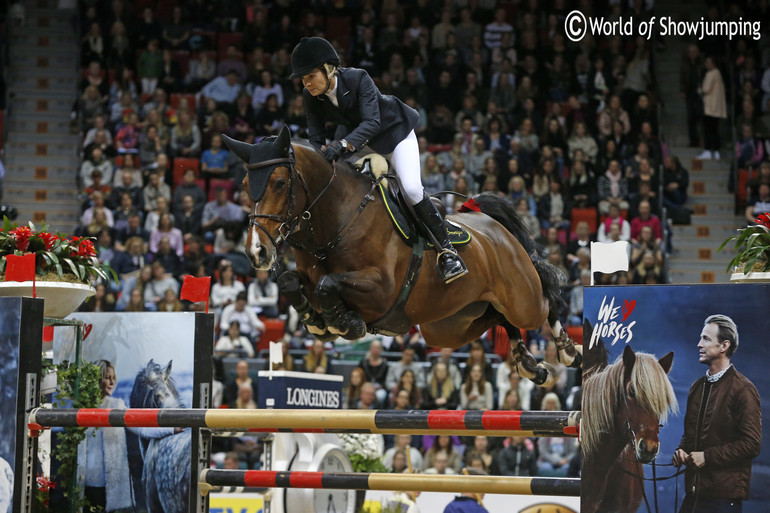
x=290, y=285
x=569, y=353
x=540, y=373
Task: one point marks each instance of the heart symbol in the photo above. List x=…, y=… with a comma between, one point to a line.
x=628, y=307
x=86, y=330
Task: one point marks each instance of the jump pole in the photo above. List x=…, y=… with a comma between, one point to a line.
x=212, y=478
x=435, y=422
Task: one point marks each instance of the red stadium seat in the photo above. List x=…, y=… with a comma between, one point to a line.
x=226, y=39
x=182, y=164
x=575, y=333
x=583, y=214
x=274, y=329
x=174, y=101
x=215, y=183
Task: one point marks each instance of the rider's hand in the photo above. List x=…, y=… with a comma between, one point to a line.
x=333, y=151
x=698, y=459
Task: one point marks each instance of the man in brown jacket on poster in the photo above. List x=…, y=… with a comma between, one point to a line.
x=722, y=426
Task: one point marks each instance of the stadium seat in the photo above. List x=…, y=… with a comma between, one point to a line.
x=575, y=333
x=226, y=39
x=742, y=189
x=274, y=329
x=182, y=58
x=583, y=214
x=181, y=164
x=215, y=183
x=174, y=101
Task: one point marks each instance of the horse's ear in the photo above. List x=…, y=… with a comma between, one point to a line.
x=242, y=149
x=150, y=363
x=666, y=362
x=284, y=140
x=167, y=370
x=629, y=359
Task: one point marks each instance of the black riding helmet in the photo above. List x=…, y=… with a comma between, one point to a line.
x=311, y=53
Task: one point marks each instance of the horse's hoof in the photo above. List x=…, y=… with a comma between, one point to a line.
x=337, y=331
x=546, y=374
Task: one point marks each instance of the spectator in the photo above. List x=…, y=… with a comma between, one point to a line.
x=127, y=138
x=227, y=288
x=98, y=205
x=150, y=67
x=264, y=89
x=233, y=343
x=749, y=150
x=396, y=369
x=611, y=113
x=508, y=378
x=316, y=360
x=171, y=75
x=153, y=217
x=122, y=212
x=166, y=229
x=441, y=393
x=177, y=31
x=241, y=378
x=646, y=218
x=186, y=136
x=249, y=323
x=244, y=118
x=553, y=208
x=555, y=453
x=223, y=89
x=675, y=182
x=759, y=204
x=402, y=443
x=351, y=395
x=511, y=400
x=440, y=464
x=233, y=62
x=476, y=393
x=368, y=398
x=220, y=211
x=102, y=140
x=170, y=302
x=477, y=356
x=157, y=286
x=263, y=293
x=714, y=109
x=517, y=459
x=647, y=271
x=582, y=140
x=95, y=161
x=136, y=301
x=153, y=190
x=150, y=146
x=127, y=186
x=202, y=71
x=133, y=229
x=170, y=261
x=188, y=187
x=269, y=120
x=188, y=217
x=646, y=242
x=613, y=188
x=376, y=369
x=97, y=185
x=575, y=317
x=407, y=383
x=480, y=449
x=493, y=32
x=214, y=159
x=690, y=73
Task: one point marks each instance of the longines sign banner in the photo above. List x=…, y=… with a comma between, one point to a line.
x=300, y=390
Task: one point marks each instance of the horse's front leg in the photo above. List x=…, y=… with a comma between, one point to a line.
x=570, y=354
x=541, y=373
x=339, y=318
x=290, y=285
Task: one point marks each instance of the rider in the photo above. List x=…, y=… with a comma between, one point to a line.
x=365, y=117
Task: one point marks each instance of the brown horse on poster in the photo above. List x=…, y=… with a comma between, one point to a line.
x=351, y=262
x=624, y=404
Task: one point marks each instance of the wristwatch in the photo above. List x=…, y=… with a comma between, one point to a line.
x=346, y=145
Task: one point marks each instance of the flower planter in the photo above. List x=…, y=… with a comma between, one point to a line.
x=61, y=298
x=752, y=277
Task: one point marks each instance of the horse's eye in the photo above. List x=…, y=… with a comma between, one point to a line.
x=279, y=184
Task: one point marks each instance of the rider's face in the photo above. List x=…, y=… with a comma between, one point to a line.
x=315, y=82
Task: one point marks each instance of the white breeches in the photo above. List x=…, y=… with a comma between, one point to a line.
x=405, y=159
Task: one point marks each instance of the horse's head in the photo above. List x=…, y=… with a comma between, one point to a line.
x=647, y=400
x=154, y=388
x=269, y=182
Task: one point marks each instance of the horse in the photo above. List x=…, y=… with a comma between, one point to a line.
x=623, y=406
x=351, y=262
x=166, y=469
x=6, y=486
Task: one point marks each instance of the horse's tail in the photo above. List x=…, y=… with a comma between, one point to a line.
x=551, y=277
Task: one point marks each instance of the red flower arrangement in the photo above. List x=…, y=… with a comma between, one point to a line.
x=70, y=259
x=752, y=247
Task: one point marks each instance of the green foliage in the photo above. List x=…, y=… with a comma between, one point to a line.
x=363, y=464
x=752, y=247
x=89, y=396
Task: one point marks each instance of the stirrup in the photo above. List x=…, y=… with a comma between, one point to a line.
x=449, y=278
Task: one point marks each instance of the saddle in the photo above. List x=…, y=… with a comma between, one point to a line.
x=400, y=212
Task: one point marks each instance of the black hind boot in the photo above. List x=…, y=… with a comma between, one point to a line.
x=449, y=264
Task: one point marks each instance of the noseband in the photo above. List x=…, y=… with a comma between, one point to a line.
x=288, y=222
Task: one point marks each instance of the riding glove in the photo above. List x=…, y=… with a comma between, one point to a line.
x=334, y=151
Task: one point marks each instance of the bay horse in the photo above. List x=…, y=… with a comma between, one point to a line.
x=623, y=406
x=351, y=262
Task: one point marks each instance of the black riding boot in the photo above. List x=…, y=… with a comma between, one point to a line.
x=449, y=264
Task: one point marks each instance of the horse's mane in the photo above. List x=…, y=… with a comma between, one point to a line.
x=604, y=390
x=306, y=145
x=143, y=391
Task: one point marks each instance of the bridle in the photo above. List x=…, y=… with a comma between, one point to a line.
x=289, y=227
x=632, y=442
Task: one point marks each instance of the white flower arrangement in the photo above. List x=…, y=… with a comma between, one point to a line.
x=364, y=450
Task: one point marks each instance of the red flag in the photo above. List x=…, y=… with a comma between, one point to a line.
x=21, y=268
x=196, y=289
x=48, y=334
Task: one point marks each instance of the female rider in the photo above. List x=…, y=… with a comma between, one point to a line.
x=365, y=117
